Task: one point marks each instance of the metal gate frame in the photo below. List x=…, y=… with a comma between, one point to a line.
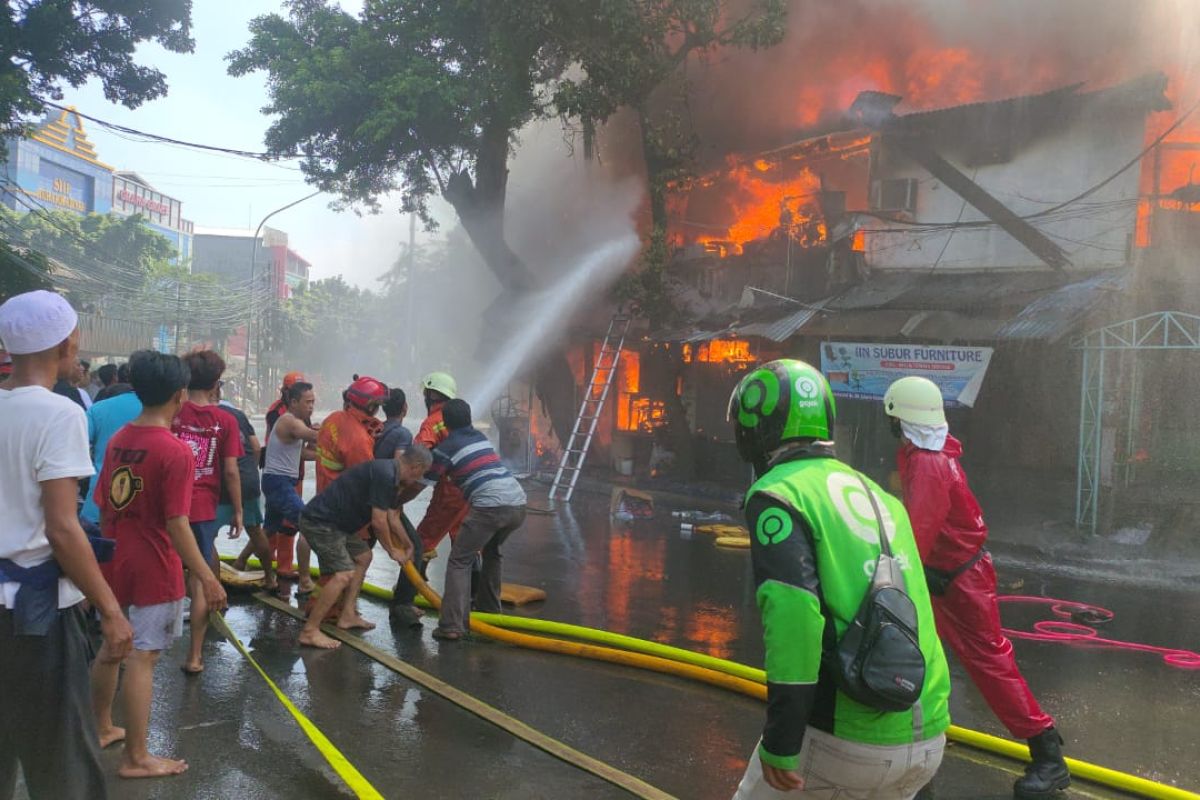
x=1162, y=330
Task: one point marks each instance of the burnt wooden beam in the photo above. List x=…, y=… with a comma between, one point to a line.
x=1033, y=239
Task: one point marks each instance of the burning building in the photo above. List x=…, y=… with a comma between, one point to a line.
x=981, y=239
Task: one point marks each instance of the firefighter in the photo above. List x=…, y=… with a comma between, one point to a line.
x=347, y=437
x=447, y=507
x=950, y=532
x=814, y=543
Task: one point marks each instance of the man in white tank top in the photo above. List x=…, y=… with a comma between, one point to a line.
x=287, y=445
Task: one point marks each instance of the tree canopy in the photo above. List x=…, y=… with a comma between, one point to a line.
x=96, y=255
x=46, y=43
x=412, y=95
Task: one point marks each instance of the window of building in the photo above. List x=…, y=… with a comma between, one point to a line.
x=894, y=194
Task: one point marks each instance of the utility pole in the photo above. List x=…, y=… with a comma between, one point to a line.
x=410, y=290
x=254, y=289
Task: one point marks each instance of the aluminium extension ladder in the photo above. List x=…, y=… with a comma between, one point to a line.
x=596, y=393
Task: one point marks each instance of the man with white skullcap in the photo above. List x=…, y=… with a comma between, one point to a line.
x=47, y=565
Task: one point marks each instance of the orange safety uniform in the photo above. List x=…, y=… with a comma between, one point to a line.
x=346, y=438
x=448, y=507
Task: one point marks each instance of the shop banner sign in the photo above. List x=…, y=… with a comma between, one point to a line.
x=864, y=370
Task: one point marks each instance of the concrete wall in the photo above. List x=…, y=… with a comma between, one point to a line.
x=228, y=257
x=1055, y=168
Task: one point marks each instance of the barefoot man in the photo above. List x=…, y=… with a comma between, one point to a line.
x=366, y=493
x=145, y=494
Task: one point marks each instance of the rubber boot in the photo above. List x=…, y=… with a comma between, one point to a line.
x=284, y=550
x=1047, y=774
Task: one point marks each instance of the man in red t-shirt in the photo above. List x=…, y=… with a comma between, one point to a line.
x=145, y=494
x=212, y=433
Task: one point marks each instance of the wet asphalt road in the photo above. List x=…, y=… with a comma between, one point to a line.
x=1127, y=711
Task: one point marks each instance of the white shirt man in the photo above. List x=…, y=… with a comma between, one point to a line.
x=47, y=566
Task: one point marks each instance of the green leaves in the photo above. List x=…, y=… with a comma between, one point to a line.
x=46, y=43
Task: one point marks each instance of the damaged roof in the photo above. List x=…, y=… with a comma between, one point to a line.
x=1004, y=306
x=1143, y=94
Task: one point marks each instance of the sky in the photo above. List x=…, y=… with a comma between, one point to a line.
x=204, y=104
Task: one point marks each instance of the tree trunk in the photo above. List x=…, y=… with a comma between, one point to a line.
x=480, y=207
x=679, y=431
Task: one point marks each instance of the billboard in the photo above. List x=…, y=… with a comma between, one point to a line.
x=864, y=370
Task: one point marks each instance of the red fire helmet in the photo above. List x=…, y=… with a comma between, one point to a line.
x=365, y=391
x=292, y=378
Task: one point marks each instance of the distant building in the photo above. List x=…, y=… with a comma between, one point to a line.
x=132, y=194
x=229, y=252
x=55, y=168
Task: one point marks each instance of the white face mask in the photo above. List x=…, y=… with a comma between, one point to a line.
x=926, y=437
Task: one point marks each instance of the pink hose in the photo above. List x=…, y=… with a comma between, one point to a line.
x=1066, y=631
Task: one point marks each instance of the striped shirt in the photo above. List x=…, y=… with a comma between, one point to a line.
x=467, y=457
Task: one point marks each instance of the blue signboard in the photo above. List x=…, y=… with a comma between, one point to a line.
x=64, y=187
x=865, y=370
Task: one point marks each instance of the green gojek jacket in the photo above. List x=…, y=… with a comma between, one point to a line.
x=814, y=542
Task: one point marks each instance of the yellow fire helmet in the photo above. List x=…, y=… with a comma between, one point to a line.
x=915, y=399
x=442, y=383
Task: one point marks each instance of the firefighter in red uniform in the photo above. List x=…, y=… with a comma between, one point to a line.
x=948, y=524
x=347, y=438
x=447, y=507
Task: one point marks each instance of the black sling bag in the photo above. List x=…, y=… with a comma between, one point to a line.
x=878, y=661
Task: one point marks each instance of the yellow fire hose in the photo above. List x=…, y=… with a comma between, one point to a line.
x=737, y=677
x=354, y=779
x=611, y=655
x=635, y=786
x=983, y=741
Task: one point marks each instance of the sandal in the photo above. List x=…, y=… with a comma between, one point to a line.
x=447, y=636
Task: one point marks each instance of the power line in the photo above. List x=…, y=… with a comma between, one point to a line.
x=112, y=126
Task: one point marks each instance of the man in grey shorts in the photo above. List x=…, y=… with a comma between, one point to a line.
x=367, y=493
x=144, y=494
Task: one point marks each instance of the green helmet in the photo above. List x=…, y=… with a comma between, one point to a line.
x=779, y=402
x=442, y=383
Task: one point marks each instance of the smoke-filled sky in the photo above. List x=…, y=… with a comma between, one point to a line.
x=933, y=53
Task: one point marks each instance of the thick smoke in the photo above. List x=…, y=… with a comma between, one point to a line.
x=933, y=53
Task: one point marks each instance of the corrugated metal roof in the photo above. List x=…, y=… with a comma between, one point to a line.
x=1030, y=305
x=1144, y=93
x=946, y=291
x=1055, y=314
x=781, y=329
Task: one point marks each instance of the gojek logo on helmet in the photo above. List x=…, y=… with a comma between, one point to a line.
x=807, y=391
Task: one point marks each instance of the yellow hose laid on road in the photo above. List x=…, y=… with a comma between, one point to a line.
x=611, y=655
x=740, y=678
x=354, y=779
x=635, y=786
x=630, y=643
x=1103, y=776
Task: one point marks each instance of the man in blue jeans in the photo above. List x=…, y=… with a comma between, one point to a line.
x=288, y=444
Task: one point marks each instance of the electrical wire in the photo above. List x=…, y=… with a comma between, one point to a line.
x=146, y=136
